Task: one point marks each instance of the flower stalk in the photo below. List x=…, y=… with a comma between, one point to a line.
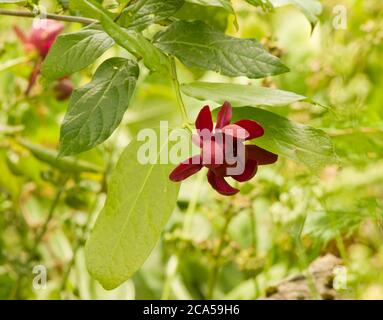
x=186, y=123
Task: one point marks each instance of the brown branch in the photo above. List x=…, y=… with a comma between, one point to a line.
x=50, y=16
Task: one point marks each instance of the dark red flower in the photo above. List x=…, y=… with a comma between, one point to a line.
x=41, y=37
x=216, y=145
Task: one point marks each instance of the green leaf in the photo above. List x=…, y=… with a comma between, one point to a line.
x=133, y=42
x=142, y=13
x=97, y=109
x=198, y=45
x=8, y=182
x=311, y=8
x=140, y=201
x=50, y=157
x=82, y=8
x=217, y=17
x=73, y=52
x=225, y=4
x=298, y=142
x=264, y=4
x=240, y=95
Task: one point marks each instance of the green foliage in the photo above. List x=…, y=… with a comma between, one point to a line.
x=217, y=17
x=75, y=51
x=311, y=8
x=156, y=239
x=142, y=13
x=133, y=41
x=64, y=164
x=131, y=222
x=96, y=109
x=198, y=45
x=301, y=143
x=240, y=95
x=226, y=4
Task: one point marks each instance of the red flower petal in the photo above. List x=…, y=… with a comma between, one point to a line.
x=236, y=131
x=204, y=119
x=197, y=140
x=260, y=155
x=220, y=184
x=224, y=115
x=251, y=169
x=44, y=34
x=186, y=169
x=20, y=34
x=202, y=136
x=212, y=154
x=252, y=127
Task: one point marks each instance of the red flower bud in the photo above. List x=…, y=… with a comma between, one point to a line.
x=63, y=89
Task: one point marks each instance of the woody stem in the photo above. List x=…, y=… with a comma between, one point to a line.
x=180, y=102
x=50, y=16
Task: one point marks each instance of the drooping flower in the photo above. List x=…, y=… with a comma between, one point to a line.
x=216, y=144
x=40, y=39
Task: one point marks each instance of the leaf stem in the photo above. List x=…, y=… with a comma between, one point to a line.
x=185, y=119
x=50, y=16
x=127, y=4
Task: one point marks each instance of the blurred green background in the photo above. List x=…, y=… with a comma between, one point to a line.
x=280, y=222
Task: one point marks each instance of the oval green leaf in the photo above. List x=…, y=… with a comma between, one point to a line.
x=140, y=201
x=97, y=109
x=240, y=95
x=142, y=13
x=75, y=51
x=298, y=142
x=197, y=44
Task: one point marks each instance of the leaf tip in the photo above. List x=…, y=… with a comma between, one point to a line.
x=63, y=152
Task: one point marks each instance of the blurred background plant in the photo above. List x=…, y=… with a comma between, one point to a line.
x=213, y=247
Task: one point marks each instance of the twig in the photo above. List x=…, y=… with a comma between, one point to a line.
x=50, y=16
